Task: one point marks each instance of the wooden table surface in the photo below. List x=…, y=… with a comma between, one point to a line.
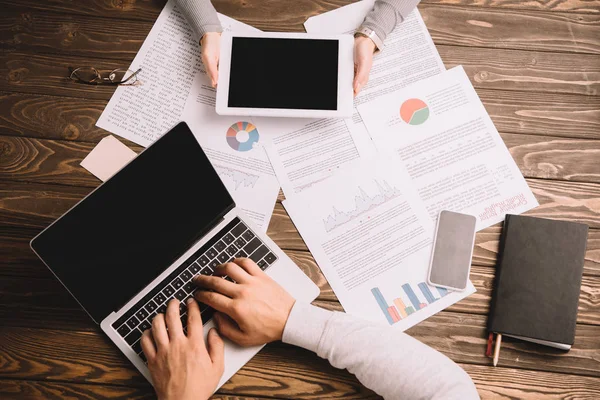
x=535, y=65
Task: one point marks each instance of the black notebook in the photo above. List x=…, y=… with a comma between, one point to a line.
x=538, y=280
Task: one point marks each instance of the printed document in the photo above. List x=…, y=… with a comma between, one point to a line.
x=447, y=142
x=372, y=238
x=303, y=152
x=175, y=88
x=409, y=56
x=170, y=61
x=234, y=147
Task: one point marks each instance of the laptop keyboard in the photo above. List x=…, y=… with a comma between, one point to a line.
x=233, y=241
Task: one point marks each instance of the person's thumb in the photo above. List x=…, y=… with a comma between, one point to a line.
x=361, y=77
x=212, y=68
x=216, y=350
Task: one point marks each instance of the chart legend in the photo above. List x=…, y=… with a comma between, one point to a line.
x=242, y=136
x=414, y=111
x=401, y=307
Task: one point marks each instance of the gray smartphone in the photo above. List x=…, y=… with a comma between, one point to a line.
x=452, y=250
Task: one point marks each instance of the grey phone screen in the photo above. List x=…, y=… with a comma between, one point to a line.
x=452, y=250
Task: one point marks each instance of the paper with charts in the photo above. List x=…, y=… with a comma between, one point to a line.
x=173, y=78
x=233, y=146
x=447, y=142
x=409, y=56
x=372, y=238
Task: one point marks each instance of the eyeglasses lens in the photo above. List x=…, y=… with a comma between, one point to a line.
x=85, y=74
x=122, y=76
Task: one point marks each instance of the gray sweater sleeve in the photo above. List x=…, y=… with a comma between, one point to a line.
x=201, y=15
x=386, y=14
x=389, y=362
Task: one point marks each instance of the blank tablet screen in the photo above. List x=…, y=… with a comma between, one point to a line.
x=284, y=73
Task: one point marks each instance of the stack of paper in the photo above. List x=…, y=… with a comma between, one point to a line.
x=365, y=192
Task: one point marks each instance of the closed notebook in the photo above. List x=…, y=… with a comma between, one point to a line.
x=538, y=280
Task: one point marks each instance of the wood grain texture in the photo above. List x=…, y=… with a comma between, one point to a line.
x=51, y=117
x=17, y=259
x=36, y=205
x=42, y=301
x=89, y=357
x=148, y=10
x=557, y=115
x=56, y=33
x=58, y=162
x=27, y=389
x=487, y=68
x=580, y=6
x=511, y=383
x=526, y=70
x=519, y=29
x=536, y=66
x=39, y=32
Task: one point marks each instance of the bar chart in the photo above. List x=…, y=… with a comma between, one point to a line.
x=408, y=302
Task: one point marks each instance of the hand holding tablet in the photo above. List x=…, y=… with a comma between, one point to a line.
x=286, y=75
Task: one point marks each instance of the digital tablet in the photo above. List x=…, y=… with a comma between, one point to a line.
x=286, y=75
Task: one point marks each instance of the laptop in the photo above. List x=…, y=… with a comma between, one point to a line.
x=137, y=241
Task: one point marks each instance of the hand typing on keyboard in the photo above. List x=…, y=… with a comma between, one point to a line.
x=182, y=366
x=251, y=311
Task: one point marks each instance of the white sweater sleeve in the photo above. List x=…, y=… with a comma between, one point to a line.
x=389, y=362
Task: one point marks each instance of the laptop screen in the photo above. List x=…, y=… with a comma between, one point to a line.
x=124, y=234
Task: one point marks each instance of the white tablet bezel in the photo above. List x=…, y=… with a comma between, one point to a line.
x=345, y=99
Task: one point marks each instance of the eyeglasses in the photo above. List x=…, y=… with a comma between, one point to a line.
x=91, y=76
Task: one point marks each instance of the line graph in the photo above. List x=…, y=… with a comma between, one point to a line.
x=363, y=203
x=239, y=178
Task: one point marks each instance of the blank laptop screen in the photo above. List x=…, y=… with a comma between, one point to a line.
x=284, y=73
x=123, y=235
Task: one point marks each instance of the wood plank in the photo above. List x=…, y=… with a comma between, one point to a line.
x=142, y=10
x=542, y=113
x=28, y=208
x=553, y=158
x=42, y=32
x=49, y=161
x=27, y=389
x=89, y=357
x=148, y=10
x=579, y=6
x=17, y=259
x=511, y=383
x=51, y=117
x=58, y=162
x=91, y=36
x=508, y=29
x=526, y=70
x=39, y=300
x=31, y=207
x=488, y=69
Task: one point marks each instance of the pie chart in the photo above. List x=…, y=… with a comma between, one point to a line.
x=414, y=111
x=242, y=136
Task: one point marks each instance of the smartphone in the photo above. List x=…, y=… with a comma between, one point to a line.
x=452, y=250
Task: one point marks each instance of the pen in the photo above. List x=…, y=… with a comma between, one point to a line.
x=497, y=348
